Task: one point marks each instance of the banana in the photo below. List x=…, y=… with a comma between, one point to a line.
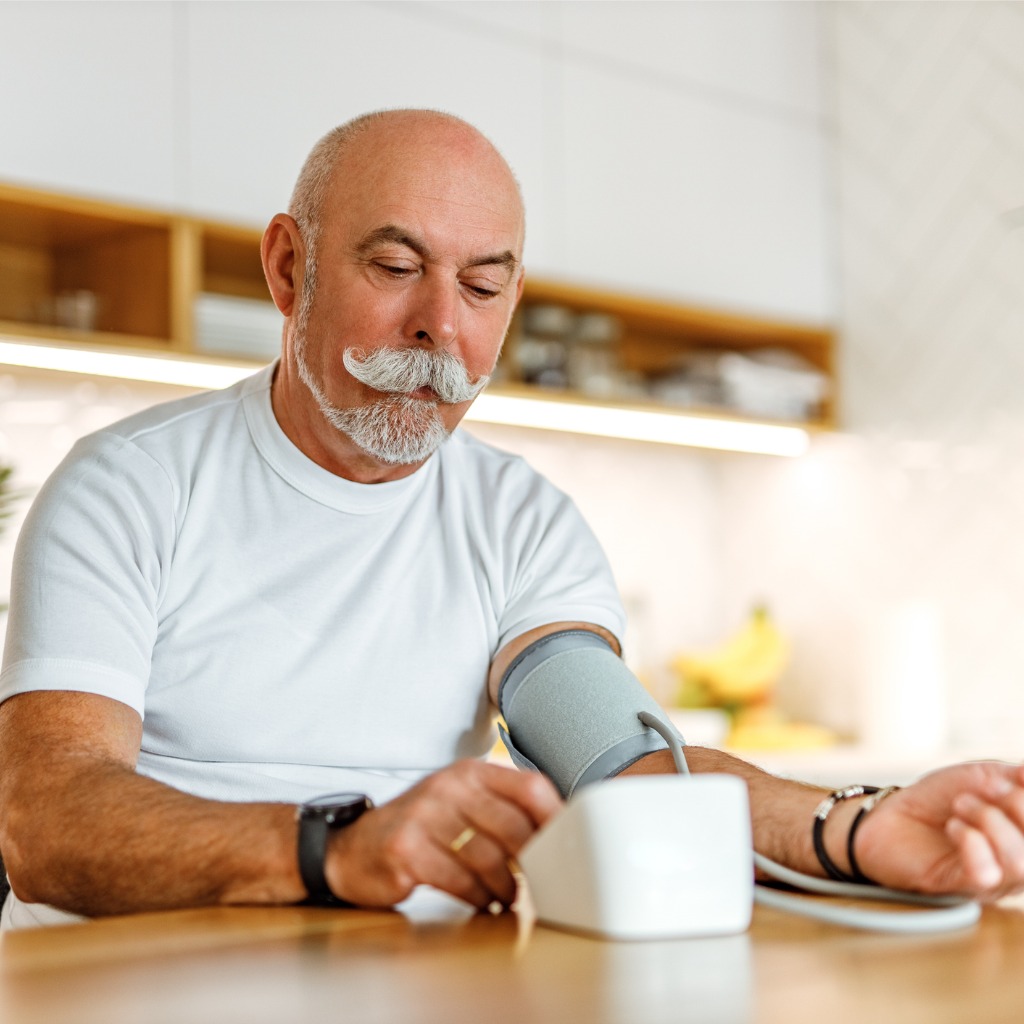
x=743, y=671
x=766, y=729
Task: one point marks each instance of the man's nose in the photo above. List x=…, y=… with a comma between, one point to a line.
x=435, y=313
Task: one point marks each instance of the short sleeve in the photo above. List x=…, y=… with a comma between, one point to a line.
x=87, y=575
x=555, y=567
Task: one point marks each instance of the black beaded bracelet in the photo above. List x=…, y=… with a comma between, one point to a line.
x=866, y=808
x=824, y=809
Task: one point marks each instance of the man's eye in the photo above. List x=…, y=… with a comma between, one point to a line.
x=484, y=291
x=394, y=269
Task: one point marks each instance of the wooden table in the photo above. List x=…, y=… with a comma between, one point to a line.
x=287, y=965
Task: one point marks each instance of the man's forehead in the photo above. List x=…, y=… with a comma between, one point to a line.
x=443, y=193
x=446, y=175
x=461, y=223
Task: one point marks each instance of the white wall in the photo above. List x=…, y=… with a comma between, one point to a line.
x=88, y=98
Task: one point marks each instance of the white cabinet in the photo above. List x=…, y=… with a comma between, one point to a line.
x=713, y=204
x=764, y=56
x=672, y=150
x=263, y=89
x=87, y=98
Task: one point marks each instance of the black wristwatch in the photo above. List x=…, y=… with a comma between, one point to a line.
x=316, y=819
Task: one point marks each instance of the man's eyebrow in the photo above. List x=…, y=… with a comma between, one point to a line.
x=399, y=236
x=505, y=259
x=390, y=233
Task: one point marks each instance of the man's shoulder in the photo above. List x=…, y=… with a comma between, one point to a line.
x=498, y=475
x=167, y=439
x=475, y=457
x=191, y=414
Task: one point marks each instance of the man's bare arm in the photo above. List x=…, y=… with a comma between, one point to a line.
x=781, y=810
x=957, y=830
x=516, y=646
x=80, y=830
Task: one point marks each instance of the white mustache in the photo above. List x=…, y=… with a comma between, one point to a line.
x=402, y=370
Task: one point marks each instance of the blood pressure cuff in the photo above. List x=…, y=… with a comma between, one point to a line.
x=571, y=708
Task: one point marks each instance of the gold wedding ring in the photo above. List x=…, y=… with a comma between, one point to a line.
x=461, y=839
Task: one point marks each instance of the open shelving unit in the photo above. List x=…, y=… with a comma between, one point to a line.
x=140, y=269
x=655, y=334
x=92, y=274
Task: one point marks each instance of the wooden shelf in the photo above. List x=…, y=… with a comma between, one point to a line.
x=135, y=273
x=655, y=335
x=231, y=262
x=101, y=274
x=55, y=248
x=131, y=343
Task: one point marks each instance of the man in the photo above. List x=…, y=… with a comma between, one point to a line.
x=230, y=605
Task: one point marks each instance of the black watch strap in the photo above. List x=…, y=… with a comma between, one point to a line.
x=316, y=821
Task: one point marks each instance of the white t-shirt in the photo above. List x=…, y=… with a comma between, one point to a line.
x=285, y=632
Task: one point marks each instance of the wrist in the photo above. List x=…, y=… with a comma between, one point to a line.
x=319, y=822
x=269, y=872
x=834, y=831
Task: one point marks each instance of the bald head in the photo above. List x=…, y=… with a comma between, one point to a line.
x=380, y=138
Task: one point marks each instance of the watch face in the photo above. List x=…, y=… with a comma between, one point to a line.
x=336, y=809
x=336, y=800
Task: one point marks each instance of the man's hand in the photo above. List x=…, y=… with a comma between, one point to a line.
x=379, y=859
x=958, y=830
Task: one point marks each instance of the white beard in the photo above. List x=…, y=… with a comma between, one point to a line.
x=396, y=429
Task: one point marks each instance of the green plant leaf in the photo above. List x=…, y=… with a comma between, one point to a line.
x=9, y=496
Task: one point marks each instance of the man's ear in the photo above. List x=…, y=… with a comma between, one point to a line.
x=283, y=258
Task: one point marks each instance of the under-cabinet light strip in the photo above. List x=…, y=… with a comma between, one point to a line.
x=509, y=410
x=160, y=369
x=642, y=425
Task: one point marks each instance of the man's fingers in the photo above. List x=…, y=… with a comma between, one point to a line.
x=505, y=805
x=502, y=822
x=455, y=830
x=531, y=791
x=383, y=857
x=444, y=870
x=487, y=862
x=998, y=825
x=484, y=815
x=980, y=868
x=1012, y=804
